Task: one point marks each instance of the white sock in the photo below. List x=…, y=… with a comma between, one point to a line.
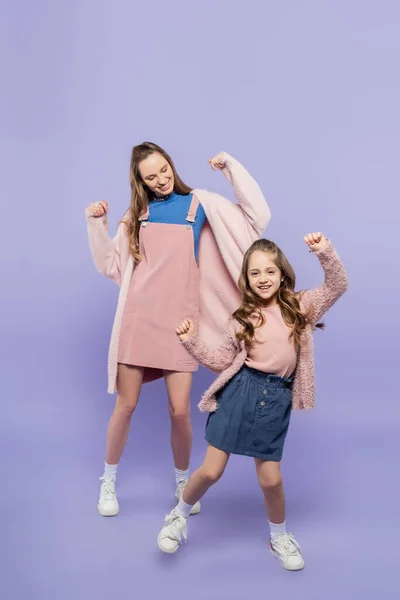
x=277, y=529
x=181, y=475
x=183, y=509
x=110, y=471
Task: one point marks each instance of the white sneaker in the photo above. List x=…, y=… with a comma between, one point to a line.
x=108, y=503
x=178, y=495
x=169, y=538
x=287, y=550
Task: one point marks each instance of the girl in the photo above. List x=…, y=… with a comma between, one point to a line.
x=159, y=259
x=268, y=339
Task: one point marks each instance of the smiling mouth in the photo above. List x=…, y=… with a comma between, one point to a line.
x=163, y=188
x=264, y=288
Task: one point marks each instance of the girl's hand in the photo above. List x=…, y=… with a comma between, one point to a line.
x=316, y=241
x=218, y=162
x=98, y=209
x=185, y=330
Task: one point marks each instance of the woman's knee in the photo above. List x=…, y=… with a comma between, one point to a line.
x=179, y=414
x=125, y=405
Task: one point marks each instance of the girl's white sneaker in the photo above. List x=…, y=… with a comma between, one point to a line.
x=170, y=537
x=287, y=551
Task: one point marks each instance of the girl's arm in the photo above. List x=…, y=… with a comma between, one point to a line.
x=216, y=359
x=316, y=302
x=247, y=191
x=106, y=252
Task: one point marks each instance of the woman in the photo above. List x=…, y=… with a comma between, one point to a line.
x=159, y=259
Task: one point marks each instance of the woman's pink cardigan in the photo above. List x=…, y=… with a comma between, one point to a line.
x=228, y=232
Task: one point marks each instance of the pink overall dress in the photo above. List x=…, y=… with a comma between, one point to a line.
x=163, y=291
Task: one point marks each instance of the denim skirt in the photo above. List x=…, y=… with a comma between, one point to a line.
x=253, y=415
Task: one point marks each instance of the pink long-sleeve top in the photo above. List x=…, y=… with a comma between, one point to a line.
x=273, y=350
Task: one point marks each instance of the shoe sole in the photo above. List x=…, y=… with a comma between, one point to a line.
x=107, y=513
x=285, y=567
x=195, y=511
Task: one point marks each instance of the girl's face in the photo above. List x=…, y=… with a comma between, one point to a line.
x=157, y=174
x=264, y=276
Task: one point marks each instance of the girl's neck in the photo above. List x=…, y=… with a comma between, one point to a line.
x=270, y=304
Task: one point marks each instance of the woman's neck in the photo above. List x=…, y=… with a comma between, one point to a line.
x=163, y=198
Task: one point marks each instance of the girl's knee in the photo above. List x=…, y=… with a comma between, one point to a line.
x=211, y=474
x=271, y=483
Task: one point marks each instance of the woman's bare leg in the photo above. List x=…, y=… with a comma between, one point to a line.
x=178, y=389
x=129, y=384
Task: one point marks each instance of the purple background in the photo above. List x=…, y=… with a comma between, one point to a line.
x=306, y=95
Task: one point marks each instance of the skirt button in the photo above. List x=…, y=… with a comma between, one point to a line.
x=265, y=392
x=262, y=403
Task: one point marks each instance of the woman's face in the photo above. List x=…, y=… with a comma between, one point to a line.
x=157, y=174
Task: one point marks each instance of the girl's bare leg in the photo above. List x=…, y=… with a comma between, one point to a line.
x=210, y=471
x=270, y=480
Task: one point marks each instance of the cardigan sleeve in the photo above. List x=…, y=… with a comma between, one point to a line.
x=217, y=358
x=318, y=301
x=106, y=252
x=248, y=193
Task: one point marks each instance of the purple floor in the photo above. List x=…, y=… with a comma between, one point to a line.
x=339, y=492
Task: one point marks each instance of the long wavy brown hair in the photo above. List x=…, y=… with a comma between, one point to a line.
x=141, y=194
x=286, y=297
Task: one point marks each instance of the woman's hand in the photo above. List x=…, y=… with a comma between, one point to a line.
x=185, y=330
x=218, y=162
x=98, y=209
x=316, y=241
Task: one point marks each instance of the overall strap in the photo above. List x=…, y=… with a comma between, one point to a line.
x=194, y=205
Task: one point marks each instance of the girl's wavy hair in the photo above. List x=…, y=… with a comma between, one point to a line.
x=287, y=298
x=141, y=194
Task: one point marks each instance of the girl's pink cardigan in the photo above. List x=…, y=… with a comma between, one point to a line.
x=229, y=356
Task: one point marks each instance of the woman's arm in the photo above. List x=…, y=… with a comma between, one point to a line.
x=106, y=252
x=318, y=301
x=247, y=191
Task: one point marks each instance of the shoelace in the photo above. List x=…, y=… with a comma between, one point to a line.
x=173, y=533
x=108, y=488
x=287, y=543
